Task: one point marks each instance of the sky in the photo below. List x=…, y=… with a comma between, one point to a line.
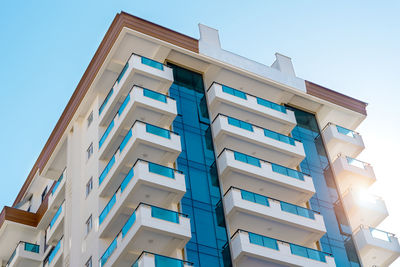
x=349, y=46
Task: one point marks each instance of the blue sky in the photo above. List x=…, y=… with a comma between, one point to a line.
x=349, y=46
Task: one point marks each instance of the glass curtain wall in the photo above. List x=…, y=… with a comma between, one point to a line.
x=335, y=241
x=197, y=162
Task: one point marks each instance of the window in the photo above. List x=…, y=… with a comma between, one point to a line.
x=89, y=186
x=44, y=193
x=90, y=119
x=89, y=224
x=89, y=150
x=89, y=262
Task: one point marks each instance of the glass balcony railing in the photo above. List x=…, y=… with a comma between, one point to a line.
x=54, y=252
x=233, y=92
x=107, y=208
x=287, y=172
x=263, y=241
x=127, y=179
x=152, y=63
x=345, y=131
x=57, y=184
x=260, y=101
x=161, y=170
x=34, y=248
x=304, y=212
x=240, y=124
x=287, y=207
x=156, y=212
x=271, y=105
x=163, y=261
x=108, y=252
x=53, y=221
x=106, y=169
x=307, y=253
x=280, y=137
x=123, y=105
x=125, y=140
x=154, y=95
x=253, y=197
x=122, y=73
x=158, y=131
x=103, y=105
x=247, y=159
x=356, y=163
x=272, y=243
x=382, y=235
x=164, y=214
x=106, y=133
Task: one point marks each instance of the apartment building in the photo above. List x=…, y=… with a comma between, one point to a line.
x=175, y=152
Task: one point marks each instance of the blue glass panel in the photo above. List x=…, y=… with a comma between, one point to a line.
x=307, y=252
x=57, y=184
x=247, y=159
x=279, y=137
x=128, y=224
x=158, y=131
x=123, y=105
x=161, y=170
x=108, y=252
x=31, y=247
x=286, y=171
x=246, y=195
x=297, y=210
x=240, y=124
x=154, y=95
x=253, y=197
x=164, y=214
x=271, y=105
x=103, y=105
x=152, y=63
x=54, y=251
x=161, y=261
x=123, y=72
x=344, y=131
x=256, y=239
x=106, y=170
x=106, y=133
x=125, y=141
x=234, y=92
x=52, y=222
x=107, y=208
x=263, y=241
x=298, y=250
x=127, y=179
x=355, y=162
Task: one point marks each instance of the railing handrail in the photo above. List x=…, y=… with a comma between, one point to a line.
x=214, y=82
x=254, y=125
x=19, y=243
x=263, y=160
x=279, y=240
x=155, y=254
x=274, y=199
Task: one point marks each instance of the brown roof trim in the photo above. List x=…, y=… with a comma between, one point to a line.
x=120, y=21
x=336, y=98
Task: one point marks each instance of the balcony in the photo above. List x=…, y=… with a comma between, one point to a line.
x=147, y=259
x=339, y=140
x=226, y=100
x=140, y=71
x=272, y=217
x=25, y=254
x=157, y=185
x=148, y=228
x=144, y=141
x=376, y=247
x=249, y=249
x=55, y=230
x=258, y=142
x=140, y=104
x=352, y=173
x=55, y=257
x=363, y=208
x=256, y=175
